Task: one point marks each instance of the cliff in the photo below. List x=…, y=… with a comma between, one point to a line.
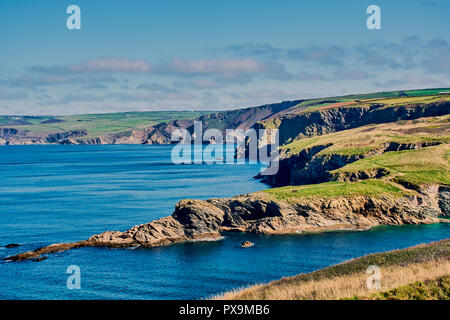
x=321, y=158
x=295, y=120
x=277, y=212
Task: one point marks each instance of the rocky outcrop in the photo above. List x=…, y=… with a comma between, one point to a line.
x=444, y=200
x=195, y=220
x=12, y=245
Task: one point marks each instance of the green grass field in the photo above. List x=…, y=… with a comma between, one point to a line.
x=95, y=124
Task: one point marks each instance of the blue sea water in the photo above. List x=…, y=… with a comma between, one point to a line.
x=51, y=194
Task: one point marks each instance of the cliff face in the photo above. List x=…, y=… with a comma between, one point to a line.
x=10, y=136
x=308, y=124
x=291, y=126
x=161, y=133
x=375, y=150
x=15, y=136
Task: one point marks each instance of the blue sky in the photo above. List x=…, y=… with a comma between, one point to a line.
x=213, y=55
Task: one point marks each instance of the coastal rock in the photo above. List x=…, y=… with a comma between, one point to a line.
x=247, y=244
x=295, y=126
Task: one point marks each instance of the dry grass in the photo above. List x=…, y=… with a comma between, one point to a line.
x=341, y=287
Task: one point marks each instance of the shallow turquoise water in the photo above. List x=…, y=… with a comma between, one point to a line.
x=52, y=194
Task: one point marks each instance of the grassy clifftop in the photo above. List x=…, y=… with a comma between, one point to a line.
x=419, y=272
x=372, y=187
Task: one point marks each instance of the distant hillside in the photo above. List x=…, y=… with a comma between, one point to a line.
x=126, y=128
x=387, y=173
x=294, y=119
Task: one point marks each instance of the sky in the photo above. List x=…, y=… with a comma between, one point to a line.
x=139, y=55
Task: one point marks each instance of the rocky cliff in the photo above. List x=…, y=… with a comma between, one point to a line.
x=161, y=133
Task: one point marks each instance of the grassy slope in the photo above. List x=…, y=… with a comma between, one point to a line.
x=370, y=187
x=415, y=167
x=95, y=124
x=435, y=289
x=348, y=280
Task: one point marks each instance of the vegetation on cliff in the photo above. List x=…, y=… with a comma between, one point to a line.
x=389, y=173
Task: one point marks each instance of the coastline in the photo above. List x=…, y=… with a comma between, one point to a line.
x=418, y=272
